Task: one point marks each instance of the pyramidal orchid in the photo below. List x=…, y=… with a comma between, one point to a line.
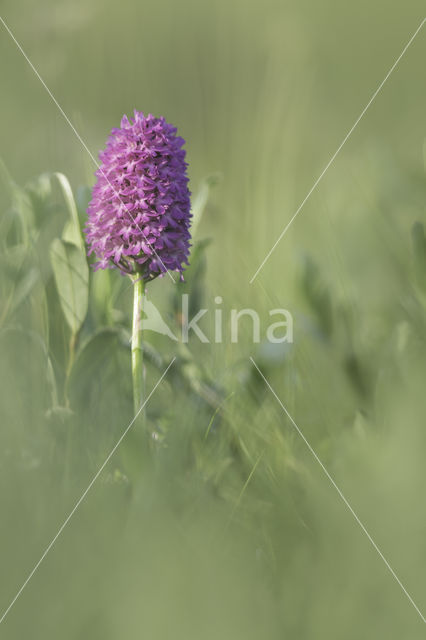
x=139, y=214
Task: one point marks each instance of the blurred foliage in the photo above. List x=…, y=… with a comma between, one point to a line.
x=231, y=530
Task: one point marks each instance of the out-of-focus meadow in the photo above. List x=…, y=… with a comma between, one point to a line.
x=232, y=530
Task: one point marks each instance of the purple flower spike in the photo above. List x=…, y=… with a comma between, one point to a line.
x=139, y=215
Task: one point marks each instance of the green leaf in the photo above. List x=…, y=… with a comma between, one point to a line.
x=100, y=383
x=318, y=296
x=72, y=281
x=39, y=191
x=12, y=259
x=21, y=207
x=24, y=287
x=72, y=231
x=200, y=200
x=95, y=356
x=25, y=358
x=82, y=199
x=194, y=283
x=419, y=251
x=101, y=297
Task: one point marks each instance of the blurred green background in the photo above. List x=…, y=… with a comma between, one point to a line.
x=232, y=529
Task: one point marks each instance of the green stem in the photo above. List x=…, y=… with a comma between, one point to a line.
x=137, y=350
